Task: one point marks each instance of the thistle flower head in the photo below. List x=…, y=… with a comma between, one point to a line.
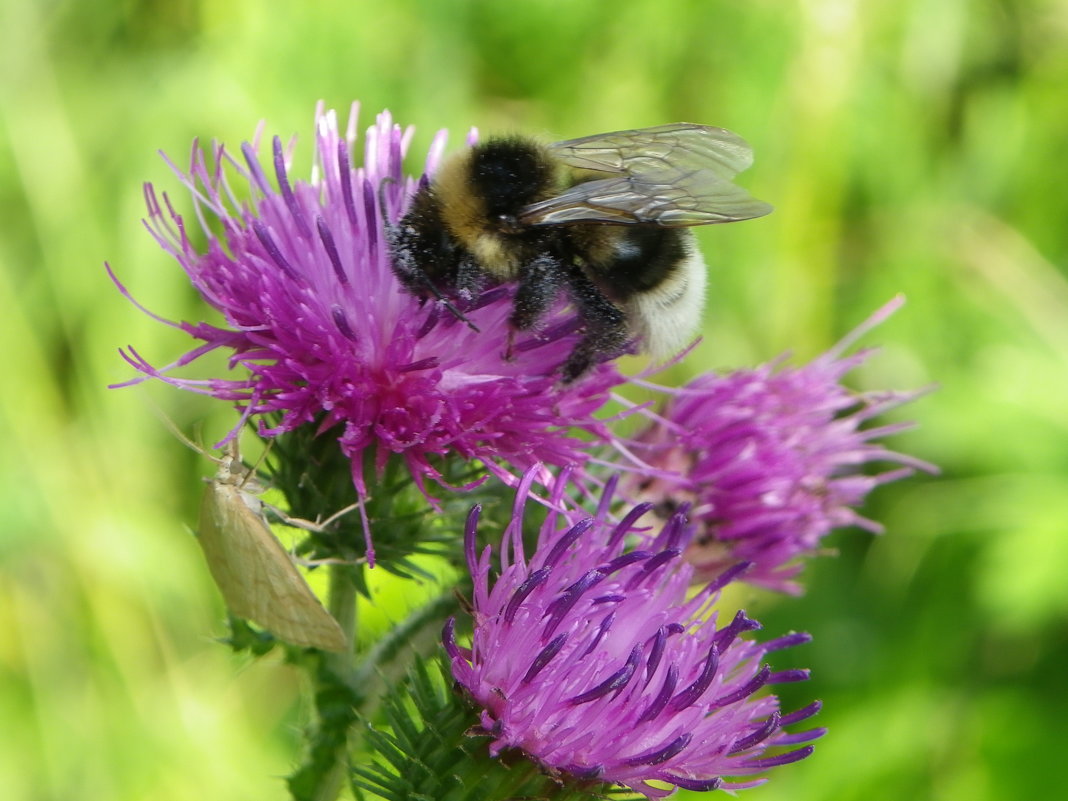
x=589, y=658
x=322, y=333
x=770, y=460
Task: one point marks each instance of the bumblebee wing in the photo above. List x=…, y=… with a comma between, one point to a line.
x=672, y=175
x=672, y=199
x=682, y=146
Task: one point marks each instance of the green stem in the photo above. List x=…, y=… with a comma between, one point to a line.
x=342, y=605
x=386, y=664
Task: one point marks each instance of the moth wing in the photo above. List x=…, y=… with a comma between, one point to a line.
x=255, y=574
x=673, y=175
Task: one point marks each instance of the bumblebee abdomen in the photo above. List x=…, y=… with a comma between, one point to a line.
x=666, y=315
x=632, y=259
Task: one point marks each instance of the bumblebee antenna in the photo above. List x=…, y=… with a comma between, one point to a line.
x=382, y=209
x=417, y=274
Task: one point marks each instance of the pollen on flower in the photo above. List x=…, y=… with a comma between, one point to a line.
x=770, y=459
x=319, y=331
x=591, y=659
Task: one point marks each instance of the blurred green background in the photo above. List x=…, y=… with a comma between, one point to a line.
x=911, y=146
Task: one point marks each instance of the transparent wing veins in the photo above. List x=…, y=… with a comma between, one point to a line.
x=671, y=175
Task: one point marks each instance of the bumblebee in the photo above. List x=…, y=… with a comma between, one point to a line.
x=603, y=219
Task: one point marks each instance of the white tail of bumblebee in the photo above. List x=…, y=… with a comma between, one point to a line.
x=667, y=317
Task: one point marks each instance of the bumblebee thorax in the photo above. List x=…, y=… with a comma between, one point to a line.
x=481, y=193
x=509, y=174
x=482, y=190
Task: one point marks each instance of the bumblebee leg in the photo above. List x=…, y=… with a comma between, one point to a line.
x=509, y=345
x=403, y=248
x=470, y=278
x=606, y=326
x=423, y=281
x=539, y=284
x=408, y=251
x=540, y=280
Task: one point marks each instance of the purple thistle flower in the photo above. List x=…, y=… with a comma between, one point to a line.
x=324, y=333
x=769, y=460
x=590, y=659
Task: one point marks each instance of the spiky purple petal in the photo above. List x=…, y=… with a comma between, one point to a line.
x=652, y=691
x=769, y=458
x=319, y=330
